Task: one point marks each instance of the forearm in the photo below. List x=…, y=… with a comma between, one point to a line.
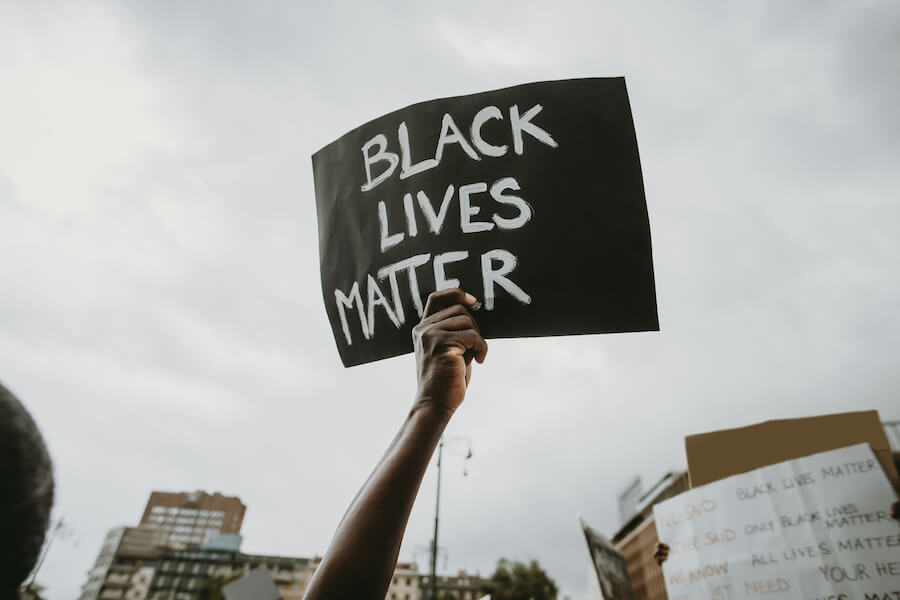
x=362, y=556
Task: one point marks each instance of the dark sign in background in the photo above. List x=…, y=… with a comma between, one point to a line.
x=530, y=198
x=610, y=566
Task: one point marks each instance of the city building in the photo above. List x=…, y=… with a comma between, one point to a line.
x=186, y=538
x=191, y=517
x=125, y=565
x=637, y=539
x=892, y=431
x=171, y=521
x=461, y=586
x=405, y=583
x=179, y=575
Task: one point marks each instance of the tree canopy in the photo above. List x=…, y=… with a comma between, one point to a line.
x=518, y=581
x=211, y=588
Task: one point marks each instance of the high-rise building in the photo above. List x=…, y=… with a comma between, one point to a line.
x=125, y=565
x=637, y=539
x=192, y=517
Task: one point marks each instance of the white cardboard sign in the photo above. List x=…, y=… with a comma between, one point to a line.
x=813, y=528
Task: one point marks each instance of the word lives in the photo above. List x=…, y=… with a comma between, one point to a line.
x=788, y=554
x=775, y=486
x=848, y=515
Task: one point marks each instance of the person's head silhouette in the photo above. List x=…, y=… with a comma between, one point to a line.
x=26, y=493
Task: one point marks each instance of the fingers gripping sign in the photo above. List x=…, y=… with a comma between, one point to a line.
x=446, y=341
x=661, y=554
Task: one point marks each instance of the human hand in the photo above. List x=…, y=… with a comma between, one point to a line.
x=661, y=554
x=446, y=341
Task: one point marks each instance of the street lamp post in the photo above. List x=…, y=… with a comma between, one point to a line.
x=437, y=508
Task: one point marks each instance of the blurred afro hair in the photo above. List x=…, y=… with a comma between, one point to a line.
x=26, y=493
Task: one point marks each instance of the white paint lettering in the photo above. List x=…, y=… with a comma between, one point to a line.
x=491, y=276
x=497, y=189
x=483, y=115
x=376, y=298
x=412, y=227
x=380, y=156
x=435, y=221
x=456, y=137
x=441, y=281
x=467, y=211
x=410, y=264
x=523, y=123
x=387, y=241
x=406, y=168
x=347, y=302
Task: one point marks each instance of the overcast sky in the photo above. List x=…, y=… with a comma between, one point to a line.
x=160, y=307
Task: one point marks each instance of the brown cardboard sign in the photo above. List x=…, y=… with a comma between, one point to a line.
x=719, y=454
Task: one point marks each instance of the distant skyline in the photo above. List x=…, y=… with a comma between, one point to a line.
x=160, y=307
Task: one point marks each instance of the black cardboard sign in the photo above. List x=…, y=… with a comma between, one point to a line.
x=530, y=198
x=610, y=566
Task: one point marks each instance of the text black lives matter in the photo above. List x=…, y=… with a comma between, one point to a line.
x=496, y=265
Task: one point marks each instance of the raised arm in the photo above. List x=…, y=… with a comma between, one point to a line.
x=360, y=561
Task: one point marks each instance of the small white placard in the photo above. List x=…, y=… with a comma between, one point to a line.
x=815, y=528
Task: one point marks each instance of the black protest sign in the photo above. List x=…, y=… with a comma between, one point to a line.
x=610, y=566
x=530, y=198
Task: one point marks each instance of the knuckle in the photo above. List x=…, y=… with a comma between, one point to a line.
x=457, y=310
x=429, y=334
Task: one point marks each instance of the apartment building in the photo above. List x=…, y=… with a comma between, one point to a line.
x=191, y=517
x=180, y=575
x=637, y=539
x=125, y=566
